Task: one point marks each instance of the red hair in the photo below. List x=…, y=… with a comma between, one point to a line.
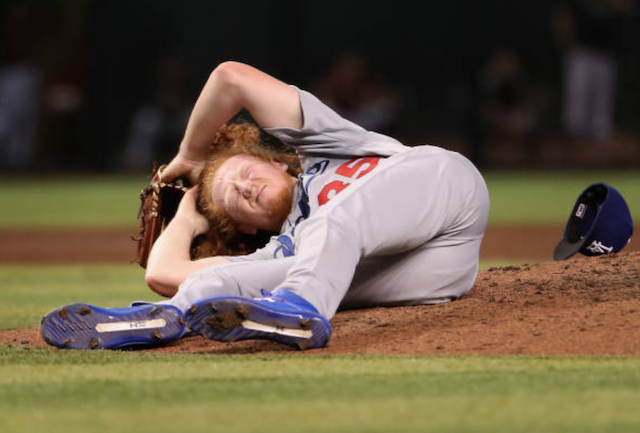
x=223, y=237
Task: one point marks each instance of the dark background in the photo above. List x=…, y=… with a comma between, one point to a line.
x=103, y=57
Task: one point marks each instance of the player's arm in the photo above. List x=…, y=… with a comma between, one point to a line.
x=169, y=262
x=231, y=87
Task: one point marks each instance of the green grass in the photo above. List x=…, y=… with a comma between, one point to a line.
x=547, y=198
x=30, y=291
x=112, y=201
x=65, y=202
x=46, y=390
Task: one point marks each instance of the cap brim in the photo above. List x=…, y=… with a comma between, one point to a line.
x=566, y=249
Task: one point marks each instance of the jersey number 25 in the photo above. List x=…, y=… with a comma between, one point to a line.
x=352, y=170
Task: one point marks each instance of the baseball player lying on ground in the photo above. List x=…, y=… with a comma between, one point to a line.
x=364, y=221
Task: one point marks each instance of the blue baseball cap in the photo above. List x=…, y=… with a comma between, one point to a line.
x=600, y=223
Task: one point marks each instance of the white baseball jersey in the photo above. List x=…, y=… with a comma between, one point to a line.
x=333, y=154
x=373, y=222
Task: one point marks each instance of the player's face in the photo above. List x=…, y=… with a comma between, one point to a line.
x=255, y=193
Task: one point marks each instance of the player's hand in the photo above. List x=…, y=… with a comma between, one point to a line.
x=188, y=214
x=182, y=166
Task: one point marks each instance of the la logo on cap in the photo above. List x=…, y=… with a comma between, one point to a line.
x=600, y=223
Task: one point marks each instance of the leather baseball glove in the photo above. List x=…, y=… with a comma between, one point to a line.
x=159, y=203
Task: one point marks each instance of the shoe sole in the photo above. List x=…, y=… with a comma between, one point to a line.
x=83, y=326
x=233, y=319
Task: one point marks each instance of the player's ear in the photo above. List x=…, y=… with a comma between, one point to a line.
x=245, y=228
x=281, y=165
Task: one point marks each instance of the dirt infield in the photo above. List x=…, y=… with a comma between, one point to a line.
x=116, y=246
x=583, y=306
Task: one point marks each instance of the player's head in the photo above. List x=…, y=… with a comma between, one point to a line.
x=245, y=186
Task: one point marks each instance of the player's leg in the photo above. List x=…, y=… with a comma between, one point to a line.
x=420, y=196
x=438, y=271
x=84, y=326
x=243, y=278
x=233, y=302
x=430, y=274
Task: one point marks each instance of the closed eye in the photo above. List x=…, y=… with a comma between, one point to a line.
x=235, y=198
x=242, y=198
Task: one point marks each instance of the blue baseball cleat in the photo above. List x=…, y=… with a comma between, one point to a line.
x=83, y=326
x=280, y=316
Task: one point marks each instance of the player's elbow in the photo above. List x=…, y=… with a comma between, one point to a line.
x=229, y=74
x=160, y=282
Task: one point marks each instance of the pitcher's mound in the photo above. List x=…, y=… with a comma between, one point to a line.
x=583, y=306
